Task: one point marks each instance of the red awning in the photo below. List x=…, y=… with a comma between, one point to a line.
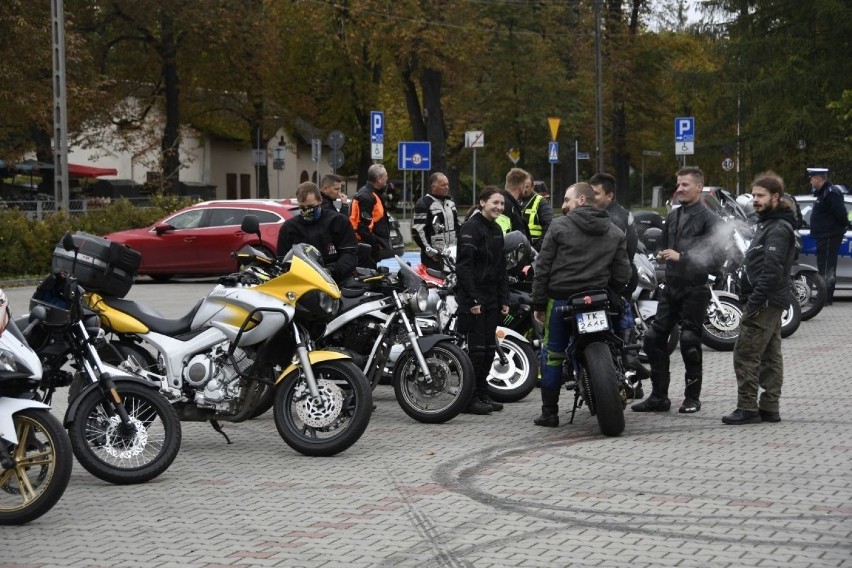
x=77, y=170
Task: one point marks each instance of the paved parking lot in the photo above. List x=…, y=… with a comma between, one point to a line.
x=674, y=489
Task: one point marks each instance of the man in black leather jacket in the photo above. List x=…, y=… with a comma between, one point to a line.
x=327, y=230
x=691, y=249
x=765, y=289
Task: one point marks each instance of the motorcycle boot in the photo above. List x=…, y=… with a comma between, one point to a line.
x=658, y=401
x=549, y=409
x=690, y=348
x=495, y=406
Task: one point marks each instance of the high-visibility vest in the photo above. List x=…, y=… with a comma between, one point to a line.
x=504, y=223
x=531, y=215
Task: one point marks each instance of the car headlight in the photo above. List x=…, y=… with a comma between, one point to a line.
x=420, y=299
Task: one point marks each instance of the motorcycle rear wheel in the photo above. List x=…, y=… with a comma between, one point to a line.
x=116, y=457
x=722, y=329
x=809, y=289
x=603, y=379
x=518, y=380
x=326, y=430
x=450, y=390
x=43, y=462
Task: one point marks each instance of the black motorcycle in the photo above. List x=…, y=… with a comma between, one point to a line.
x=122, y=430
x=594, y=365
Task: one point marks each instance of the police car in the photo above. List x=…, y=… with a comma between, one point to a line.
x=808, y=255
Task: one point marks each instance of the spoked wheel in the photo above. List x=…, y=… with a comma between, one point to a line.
x=722, y=326
x=447, y=391
x=42, y=467
x=332, y=424
x=607, y=406
x=516, y=379
x=810, y=291
x=125, y=454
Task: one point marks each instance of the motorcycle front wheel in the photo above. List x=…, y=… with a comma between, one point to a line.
x=111, y=451
x=810, y=291
x=329, y=426
x=445, y=394
x=722, y=327
x=42, y=467
x=791, y=319
x=603, y=383
x=515, y=380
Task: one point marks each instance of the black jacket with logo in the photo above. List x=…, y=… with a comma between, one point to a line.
x=766, y=278
x=331, y=234
x=700, y=242
x=480, y=265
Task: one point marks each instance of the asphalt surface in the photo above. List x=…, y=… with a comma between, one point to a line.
x=487, y=491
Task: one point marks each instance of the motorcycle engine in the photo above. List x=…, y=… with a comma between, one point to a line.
x=357, y=338
x=214, y=377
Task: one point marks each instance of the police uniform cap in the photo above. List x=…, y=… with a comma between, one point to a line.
x=817, y=172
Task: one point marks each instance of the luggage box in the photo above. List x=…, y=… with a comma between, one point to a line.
x=101, y=266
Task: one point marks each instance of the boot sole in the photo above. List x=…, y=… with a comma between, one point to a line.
x=754, y=420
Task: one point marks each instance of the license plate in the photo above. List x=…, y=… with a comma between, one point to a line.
x=591, y=322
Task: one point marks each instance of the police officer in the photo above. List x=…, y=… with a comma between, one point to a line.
x=766, y=293
x=690, y=254
x=327, y=230
x=536, y=212
x=436, y=221
x=828, y=225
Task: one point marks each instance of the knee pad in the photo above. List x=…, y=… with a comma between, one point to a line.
x=690, y=348
x=655, y=344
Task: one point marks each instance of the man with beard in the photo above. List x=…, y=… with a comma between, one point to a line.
x=436, y=222
x=765, y=291
x=581, y=250
x=690, y=254
x=369, y=217
x=326, y=230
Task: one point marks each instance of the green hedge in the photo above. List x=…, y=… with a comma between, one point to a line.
x=27, y=244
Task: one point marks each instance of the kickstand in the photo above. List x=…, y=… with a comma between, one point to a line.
x=574, y=410
x=218, y=428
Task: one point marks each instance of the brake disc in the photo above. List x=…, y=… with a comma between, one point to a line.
x=324, y=413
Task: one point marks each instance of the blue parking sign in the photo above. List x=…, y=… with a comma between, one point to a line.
x=377, y=127
x=685, y=129
x=414, y=156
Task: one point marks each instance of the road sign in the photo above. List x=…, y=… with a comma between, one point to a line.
x=277, y=164
x=682, y=148
x=553, y=122
x=474, y=139
x=316, y=149
x=584, y=156
x=685, y=129
x=655, y=153
x=377, y=151
x=414, y=156
x=728, y=164
x=335, y=158
x=258, y=157
x=335, y=139
x=514, y=155
x=377, y=126
x=553, y=152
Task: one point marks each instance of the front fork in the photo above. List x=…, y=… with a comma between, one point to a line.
x=93, y=367
x=413, y=334
x=305, y=363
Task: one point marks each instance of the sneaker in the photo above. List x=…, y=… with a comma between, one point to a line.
x=768, y=416
x=495, y=406
x=653, y=404
x=476, y=406
x=739, y=416
x=689, y=406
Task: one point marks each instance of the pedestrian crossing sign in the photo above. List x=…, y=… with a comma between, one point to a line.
x=553, y=152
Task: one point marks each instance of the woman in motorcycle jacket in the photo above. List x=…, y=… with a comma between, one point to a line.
x=483, y=291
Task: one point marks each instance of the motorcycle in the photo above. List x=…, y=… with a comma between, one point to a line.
x=35, y=454
x=432, y=377
x=593, y=366
x=247, y=346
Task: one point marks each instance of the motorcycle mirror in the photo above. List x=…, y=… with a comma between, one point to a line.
x=251, y=225
x=68, y=241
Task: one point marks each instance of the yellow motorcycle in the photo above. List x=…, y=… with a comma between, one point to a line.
x=247, y=346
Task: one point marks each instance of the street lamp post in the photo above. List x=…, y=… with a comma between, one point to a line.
x=645, y=153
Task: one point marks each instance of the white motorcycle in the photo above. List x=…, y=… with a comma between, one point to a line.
x=35, y=453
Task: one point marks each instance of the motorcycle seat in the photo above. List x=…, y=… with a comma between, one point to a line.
x=435, y=273
x=153, y=319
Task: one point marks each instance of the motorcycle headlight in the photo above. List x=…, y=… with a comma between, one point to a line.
x=420, y=299
x=10, y=363
x=316, y=306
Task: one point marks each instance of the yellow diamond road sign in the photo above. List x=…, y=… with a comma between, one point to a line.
x=554, y=126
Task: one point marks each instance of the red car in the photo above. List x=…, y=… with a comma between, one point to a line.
x=199, y=240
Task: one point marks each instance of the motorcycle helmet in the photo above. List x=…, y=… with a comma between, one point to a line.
x=516, y=248
x=746, y=201
x=651, y=239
